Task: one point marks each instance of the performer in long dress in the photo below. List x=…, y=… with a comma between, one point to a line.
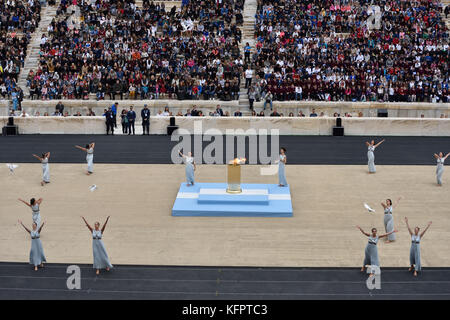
x=35, y=211
x=89, y=149
x=370, y=154
x=371, y=251
x=281, y=168
x=440, y=166
x=101, y=260
x=45, y=167
x=389, y=218
x=37, y=257
x=414, y=252
x=190, y=167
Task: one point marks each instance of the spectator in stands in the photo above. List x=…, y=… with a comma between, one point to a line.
x=238, y=113
x=219, y=111
x=268, y=99
x=275, y=113
x=251, y=97
x=248, y=77
x=247, y=52
x=59, y=108
x=313, y=113
x=166, y=112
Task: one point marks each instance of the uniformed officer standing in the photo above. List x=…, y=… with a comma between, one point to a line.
x=131, y=115
x=109, y=121
x=145, y=115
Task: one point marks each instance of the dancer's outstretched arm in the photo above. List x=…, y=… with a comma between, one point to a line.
x=81, y=148
x=394, y=205
x=37, y=157
x=92, y=145
x=24, y=202
x=28, y=230
x=387, y=234
x=448, y=154
x=40, y=229
x=436, y=156
x=87, y=224
x=104, y=225
x=379, y=143
x=407, y=225
x=425, y=230
x=362, y=231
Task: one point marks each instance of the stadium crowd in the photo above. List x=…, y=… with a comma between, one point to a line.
x=122, y=51
x=350, y=51
x=18, y=20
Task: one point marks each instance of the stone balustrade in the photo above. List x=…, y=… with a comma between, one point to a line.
x=285, y=125
x=368, y=109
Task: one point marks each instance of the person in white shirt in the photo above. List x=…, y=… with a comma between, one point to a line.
x=248, y=77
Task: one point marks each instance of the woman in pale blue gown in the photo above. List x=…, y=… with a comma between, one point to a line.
x=101, y=260
x=414, y=251
x=35, y=211
x=440, y=166
x=37, y=257
x=371, y=251
x=388, y=219
x=190, y=167
x=89, y=149
x=281, y=168
x=45, y=167
x=371, y=156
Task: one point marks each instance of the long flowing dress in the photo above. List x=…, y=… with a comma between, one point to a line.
x=36, y=214
x=389, y=223
x=414, y=252
x=189, y=170
x=371, y=252
x=90, y=160
x=45, y=170
x=281, y=171
x=37, y=256
x=101, y=260
x=439, y=170
x=371, y=159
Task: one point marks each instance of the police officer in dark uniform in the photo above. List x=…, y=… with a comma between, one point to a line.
x=109, y=121
x=131, y=115
x=145, y=115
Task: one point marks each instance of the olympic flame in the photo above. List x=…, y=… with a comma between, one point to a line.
x=238, y=161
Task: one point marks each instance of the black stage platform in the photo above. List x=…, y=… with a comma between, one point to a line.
x=326, y=150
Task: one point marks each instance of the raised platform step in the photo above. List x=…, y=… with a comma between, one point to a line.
x=212, y=200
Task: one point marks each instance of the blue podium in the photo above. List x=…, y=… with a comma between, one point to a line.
x=213, y=200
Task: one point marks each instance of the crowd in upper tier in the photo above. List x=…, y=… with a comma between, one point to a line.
x=119, y=50
x=352, y=50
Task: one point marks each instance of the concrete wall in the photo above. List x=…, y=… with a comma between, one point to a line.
x=285, y=125
x=369, y=109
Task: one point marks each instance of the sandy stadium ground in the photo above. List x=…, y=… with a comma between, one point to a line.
x=327, y=201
